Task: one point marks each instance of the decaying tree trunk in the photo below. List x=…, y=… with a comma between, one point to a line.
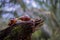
x=20, y=30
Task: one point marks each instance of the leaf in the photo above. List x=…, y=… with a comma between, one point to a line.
x=22, y=4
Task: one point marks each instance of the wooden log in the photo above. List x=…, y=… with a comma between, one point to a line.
x=20, y=31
